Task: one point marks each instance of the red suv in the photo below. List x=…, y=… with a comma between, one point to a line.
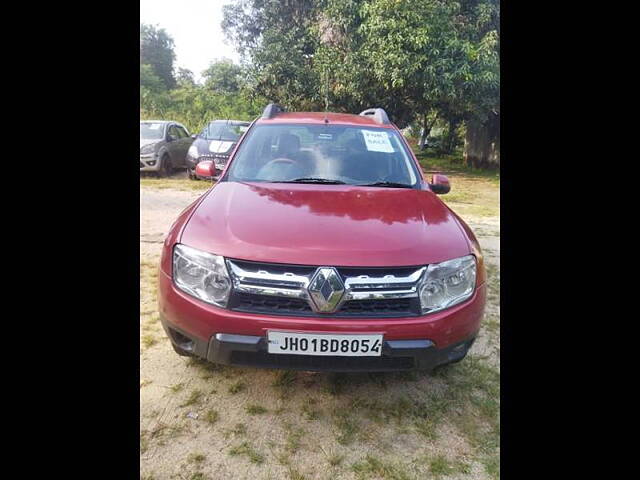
x=322, y=247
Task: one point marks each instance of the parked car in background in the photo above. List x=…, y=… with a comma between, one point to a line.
x=216, y=142
x=163, y=146
x=323, y=246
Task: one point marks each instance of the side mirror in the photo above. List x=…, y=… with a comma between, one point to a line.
x=194, y=136
x=439, y=184
x=170, y=138
x=206, y=168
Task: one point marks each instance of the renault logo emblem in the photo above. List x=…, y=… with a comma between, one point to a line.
x=326, y=290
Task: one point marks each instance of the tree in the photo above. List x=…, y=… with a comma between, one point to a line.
x=223, y=76
x=184, y=78
x=421, y=60
x=278, y=41
x=149, y=80
x=157, y=50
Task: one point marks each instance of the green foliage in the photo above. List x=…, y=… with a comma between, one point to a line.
x=194, y=106
x=156, y=50
x=184, y=78
x=427, y=62
x=223, y=76
x=149, y=80
x=411, y=57
x=279, y=40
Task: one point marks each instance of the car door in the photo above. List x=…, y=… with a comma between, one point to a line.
x=184, y=143
x=173, y=145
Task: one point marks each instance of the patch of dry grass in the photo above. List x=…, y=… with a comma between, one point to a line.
x=174, y=183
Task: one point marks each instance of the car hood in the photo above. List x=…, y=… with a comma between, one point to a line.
x=325, y=225
x=144, y=141
x=220, y=146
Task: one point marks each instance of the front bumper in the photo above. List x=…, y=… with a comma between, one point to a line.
x=149, y=163
x=234, y=338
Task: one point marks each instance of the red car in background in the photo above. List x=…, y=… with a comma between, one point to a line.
x=322, y=247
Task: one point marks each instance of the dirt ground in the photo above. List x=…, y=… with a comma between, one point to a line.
x=200, y=421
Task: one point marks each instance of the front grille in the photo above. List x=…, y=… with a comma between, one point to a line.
x=321, y=363
x=267, y=304
x=404, y=307
x=369, y=292
x=247, y=302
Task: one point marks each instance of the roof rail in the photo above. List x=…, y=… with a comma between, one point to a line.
x=272, y=110
x=378, y=114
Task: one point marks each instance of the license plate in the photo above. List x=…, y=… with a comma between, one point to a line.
x=355, y=345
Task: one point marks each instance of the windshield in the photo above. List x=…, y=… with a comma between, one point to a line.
x=323, y=153
x=151, y=131
x=224, y=131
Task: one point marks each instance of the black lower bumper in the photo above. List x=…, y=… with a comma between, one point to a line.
x=251, y=351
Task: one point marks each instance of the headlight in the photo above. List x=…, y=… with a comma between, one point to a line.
x=193, y=151
x=448, y=283
x=147, y=149
x=201, y=274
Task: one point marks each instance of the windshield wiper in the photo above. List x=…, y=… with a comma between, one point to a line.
x=385, y=184
x=314, y=180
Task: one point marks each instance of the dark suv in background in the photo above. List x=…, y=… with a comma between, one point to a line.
x=163, y=146
x=216, y=142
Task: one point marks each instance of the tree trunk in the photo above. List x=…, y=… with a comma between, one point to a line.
x=426, y=130
x=482, y=143
x=450, y=141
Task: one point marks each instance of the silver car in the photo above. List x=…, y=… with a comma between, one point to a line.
x=163, y=146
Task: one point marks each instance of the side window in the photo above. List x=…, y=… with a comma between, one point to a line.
x=183, y=132
x=173, y=131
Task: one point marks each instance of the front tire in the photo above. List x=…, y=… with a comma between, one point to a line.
x=165, y=167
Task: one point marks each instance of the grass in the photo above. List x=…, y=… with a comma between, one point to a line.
x=247, y=450
x=440, y=466
x=293, y=438
x=284, y=379
x=174, y=183
x=372, y=467
x=196, y=458
x=474, y=392
x=431, y=160
x=238, y=430
x=253, y=409
x=493, y=282
x=177, y=387
x=211, y=416
x=194, y=398
x=309, y=411
x=149, y=340
x=473, y=192
x=336, y=383
x=491, y=323
x=160, y=433
x=237, y=387
x=294, y=474
x=334, y=459
x=347, y=425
